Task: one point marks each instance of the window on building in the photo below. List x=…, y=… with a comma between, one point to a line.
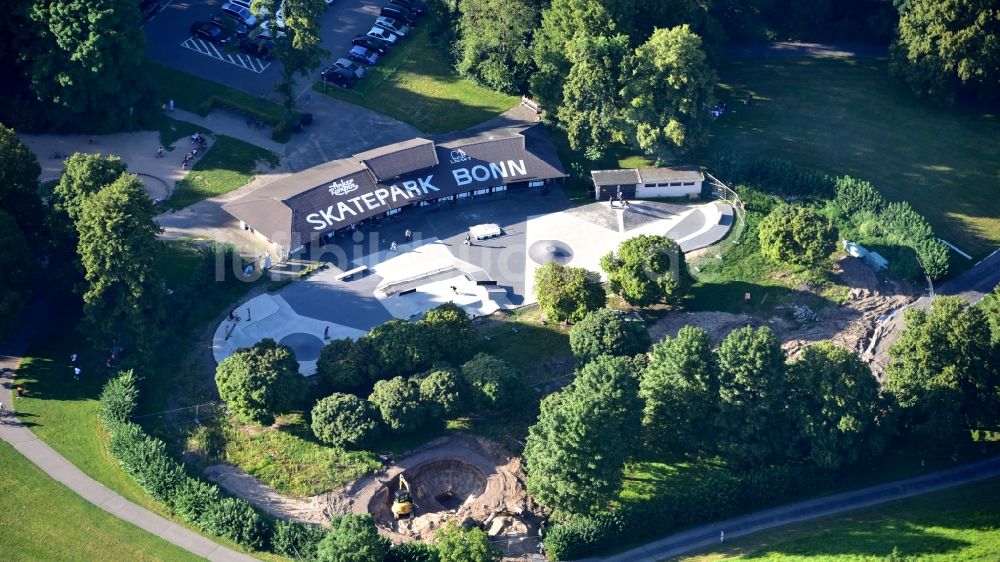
x=689, y=183
x=465, y=195
x=499, y=188
x=675, y=183
x=536, y=183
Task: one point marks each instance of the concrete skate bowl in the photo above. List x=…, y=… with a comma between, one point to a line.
x=305, y=346
x=545, y=251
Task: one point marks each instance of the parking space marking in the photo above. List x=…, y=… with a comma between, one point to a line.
x=247, y=62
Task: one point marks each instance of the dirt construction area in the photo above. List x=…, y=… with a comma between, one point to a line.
x=851, y=325
x=459, y=478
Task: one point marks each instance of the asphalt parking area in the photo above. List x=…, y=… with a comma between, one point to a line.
x=247, y=62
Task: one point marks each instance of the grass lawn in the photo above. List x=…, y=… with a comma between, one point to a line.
x=229, y=164
x=958, y=524
x=195, y=94
x=416, y=84
x=43, y=520
x=289, y=459
x=847, y=116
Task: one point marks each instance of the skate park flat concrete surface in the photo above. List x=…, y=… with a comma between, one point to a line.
x=271, y=317
x=437, y=266
x=138, y=150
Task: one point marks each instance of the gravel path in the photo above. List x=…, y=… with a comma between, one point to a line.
x=798, y=49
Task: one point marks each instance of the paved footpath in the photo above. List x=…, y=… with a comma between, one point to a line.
x=708, y=535
x=60, y=469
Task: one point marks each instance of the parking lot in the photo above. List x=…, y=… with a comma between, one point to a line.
x=170, y=43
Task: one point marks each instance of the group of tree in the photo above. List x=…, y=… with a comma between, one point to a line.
x=98, y=236
x=397, y=348
x=567, y=294
x=744, y=402
x=408, y=404
x=298, y=46
x=354, y=538
x=64, y=69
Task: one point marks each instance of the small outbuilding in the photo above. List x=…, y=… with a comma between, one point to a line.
x=648, y=183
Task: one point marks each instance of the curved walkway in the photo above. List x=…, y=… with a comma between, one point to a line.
x=56, y=466
x=708, y=535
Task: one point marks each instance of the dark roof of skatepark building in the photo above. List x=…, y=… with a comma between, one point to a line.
x=342, y=192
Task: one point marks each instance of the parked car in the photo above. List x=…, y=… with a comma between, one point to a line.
x=210, y=32
x=383, y=34
x=339, y=76
x=248, y=4
x=348, y=64
x=395, y=26
x=231, y=24
x=363, y=55
x=240, y=13
x=258, y=46
x=399, y=13
x=371, y=43
x=412, y=5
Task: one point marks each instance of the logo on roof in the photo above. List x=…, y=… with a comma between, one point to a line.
x=343, y=187
x=459, y=155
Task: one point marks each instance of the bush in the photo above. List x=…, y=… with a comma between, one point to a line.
x=451, y=330
x=118, y=398
x=237, y=520
x=494, y=383
x=567, y=294
x=443, y=390
x=296, y=540
x=346, y=366
x=259, y=381
x=646, y=270
x=718, y=496
x=608, y=332
x=412, y=552
x=354, y=539
x=145, y=459
x=193, y=498
x=796, y=235
x=344, y=420
x=398, y=402
x=403, y=348
x=856, y=196
x=774, y=175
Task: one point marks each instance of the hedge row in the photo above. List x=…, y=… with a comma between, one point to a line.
x=145, y=459
x=775, y=175
x=719, y=496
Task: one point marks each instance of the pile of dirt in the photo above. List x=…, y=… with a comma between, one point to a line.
x=851, y=325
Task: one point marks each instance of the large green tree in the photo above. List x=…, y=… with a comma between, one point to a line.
x=123, y=302
x=451, y=331
x=755, y=424
x=945, y=371
x=608, y=332
x=260, y=381
x=353, y=538
x=841, y=416
x=494, y=39
x=85, y=175
x=680, y=390
x=576, y=451
x=458, y=544
x=344, y=420
x=19, y=171
x=796, y=235
x=89, y=63
x=493, y=382
x=299, y=46
x=403, y=348
x=946, y=47
x=991, y=309
x=348, y=365
x=398, y=402
x=562, y=20
x=669, y=87
x=592, y=93
x=15, y=276
x=646, y=269
x=567, y=294
x=444, y=391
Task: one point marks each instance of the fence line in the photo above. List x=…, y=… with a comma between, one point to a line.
x=716, y=189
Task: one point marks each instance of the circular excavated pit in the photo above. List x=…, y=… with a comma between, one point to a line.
x=545, y=251
x=441, y=485
x=305, y=346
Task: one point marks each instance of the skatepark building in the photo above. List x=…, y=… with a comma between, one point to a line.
x=340, y=196
x=648, y=183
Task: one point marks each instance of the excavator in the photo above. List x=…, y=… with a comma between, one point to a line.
x=402, y=502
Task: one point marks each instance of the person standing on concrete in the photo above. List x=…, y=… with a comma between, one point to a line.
x=468, y=239
x=326, y=333
x=76, y=373
x=408, y=235
x=170, y=105
x=392, y=247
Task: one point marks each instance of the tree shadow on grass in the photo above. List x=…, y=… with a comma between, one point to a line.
x=875, y=539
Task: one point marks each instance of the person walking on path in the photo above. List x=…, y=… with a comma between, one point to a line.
x=408, y=235
x=326, y=333
x=392, y=247
x=248, y=314
x=468, y=239
x=76, y=373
